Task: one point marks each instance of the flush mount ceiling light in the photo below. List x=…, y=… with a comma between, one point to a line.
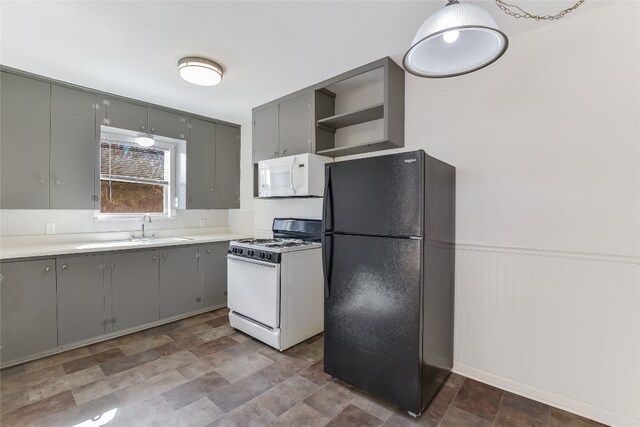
x=455, y=40
x=200, y=71
x=145, y=140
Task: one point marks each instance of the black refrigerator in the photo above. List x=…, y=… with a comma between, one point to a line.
x=388, y=258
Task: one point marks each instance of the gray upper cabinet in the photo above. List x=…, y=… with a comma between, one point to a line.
x=359, y=111
x=213, y=273
x=73, y=148
x=28, y=308
x=24, y=132
x=49, y=155
x=180, y=289
x=265, y=133
x=123, y=115
x=167, y=124
x=201, y=153
x=295, y=125
x=135, y=289
x=81, y=298
x=227, y=168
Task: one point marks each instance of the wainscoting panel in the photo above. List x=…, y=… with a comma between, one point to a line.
x=560, y=327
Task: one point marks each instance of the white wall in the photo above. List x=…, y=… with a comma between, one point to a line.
x=547, y=145
x=546, y=142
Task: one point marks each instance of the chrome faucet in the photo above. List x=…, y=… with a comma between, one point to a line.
x=144, y=219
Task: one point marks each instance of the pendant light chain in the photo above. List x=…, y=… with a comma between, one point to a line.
x=524, y=14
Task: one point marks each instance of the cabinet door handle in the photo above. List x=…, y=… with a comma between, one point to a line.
x=153, y=129
x=104, y=322
x=57, y=182
x=284, y=151
x=198, y=299
x=47, y=268
x=113, y=320
x=155, y=257
x=208, y=251
x=275, y=153
x=211, y=190
x=64, y=266
x=42, y=181
x=164, y=256
x=141, y=127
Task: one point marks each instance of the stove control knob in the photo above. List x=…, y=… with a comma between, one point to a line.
x=261, y=254
x=268, y=256
x=250, y=252
x=240, y=251
x=234, y=250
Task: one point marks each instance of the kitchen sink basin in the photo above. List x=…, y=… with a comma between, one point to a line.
x=133, y=242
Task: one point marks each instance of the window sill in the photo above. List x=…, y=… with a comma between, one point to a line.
x=98, y=217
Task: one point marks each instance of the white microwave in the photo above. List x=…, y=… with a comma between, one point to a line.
x=293, y=176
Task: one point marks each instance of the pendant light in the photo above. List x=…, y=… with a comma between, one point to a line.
x=455, y=40
x=200, y=71
x=145, y=140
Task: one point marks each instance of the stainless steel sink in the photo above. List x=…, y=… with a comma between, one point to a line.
x=133, y=242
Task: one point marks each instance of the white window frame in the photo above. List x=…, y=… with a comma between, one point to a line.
x=170, y=198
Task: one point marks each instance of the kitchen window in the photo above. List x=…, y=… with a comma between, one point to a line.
x=137, y=180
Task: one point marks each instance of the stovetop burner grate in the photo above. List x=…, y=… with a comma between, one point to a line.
x=258, y=241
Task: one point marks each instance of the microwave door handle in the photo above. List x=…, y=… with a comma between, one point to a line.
x=293, y=186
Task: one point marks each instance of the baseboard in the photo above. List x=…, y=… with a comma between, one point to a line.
x=547, y=397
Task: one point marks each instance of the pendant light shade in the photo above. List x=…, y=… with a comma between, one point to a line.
x=455, y=40
x=200, y=71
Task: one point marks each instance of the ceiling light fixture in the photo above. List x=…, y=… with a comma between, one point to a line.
x=145, y=140
x=455, y=40
x=200, y=71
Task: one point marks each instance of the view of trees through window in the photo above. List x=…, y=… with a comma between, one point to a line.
x=133, y=179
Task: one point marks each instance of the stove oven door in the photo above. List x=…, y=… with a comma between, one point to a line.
x=254, y=290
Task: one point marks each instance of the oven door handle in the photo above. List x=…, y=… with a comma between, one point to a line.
x=251, y=261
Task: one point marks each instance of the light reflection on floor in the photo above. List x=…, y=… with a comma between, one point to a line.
x=99, y=420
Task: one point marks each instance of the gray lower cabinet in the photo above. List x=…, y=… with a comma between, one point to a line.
x=47, y=303
x=124, y=115
x=227, y=168
x=166, y=123
x=81, y=297
x=73, y=148
x=295, y=125
x=28, y=308
x=135, y=289
x=265, y=133
x=24, y=152
x=213, y=273
x=201, y=157
x=180, y=289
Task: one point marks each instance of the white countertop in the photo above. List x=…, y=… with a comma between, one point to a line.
x=16, y=247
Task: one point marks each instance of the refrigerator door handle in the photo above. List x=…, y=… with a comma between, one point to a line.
x=327, y=255
x=327, y=202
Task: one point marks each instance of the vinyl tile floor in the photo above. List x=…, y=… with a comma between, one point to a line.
x=200, y=372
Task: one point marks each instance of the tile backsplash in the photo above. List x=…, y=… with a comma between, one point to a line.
x=18, y=222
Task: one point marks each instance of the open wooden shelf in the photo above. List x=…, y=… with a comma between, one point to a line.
x=365, y=147
x=363, y=115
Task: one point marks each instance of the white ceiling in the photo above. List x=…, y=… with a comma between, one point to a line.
x=268, y=49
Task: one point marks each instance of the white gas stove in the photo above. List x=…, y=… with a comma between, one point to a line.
x=275, y=286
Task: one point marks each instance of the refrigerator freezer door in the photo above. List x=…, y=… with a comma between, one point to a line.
x=373, y=315
x=376, y=196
